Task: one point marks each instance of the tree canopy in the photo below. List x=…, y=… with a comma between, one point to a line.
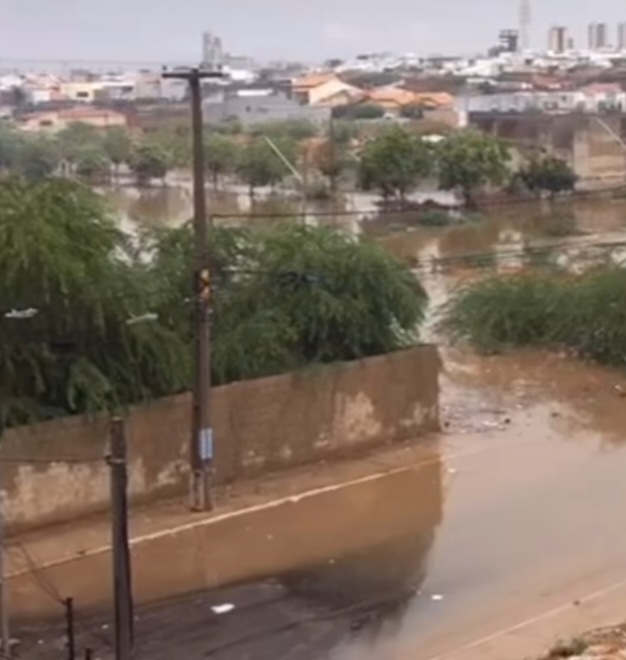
x=258, y=166
x=548, y=174
x=283, y=298
x=468, y=160
x=221, y=153
x=394, y=162
x=62, y=256
x=149, y=161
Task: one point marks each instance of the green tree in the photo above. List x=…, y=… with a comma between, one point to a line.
x=75, y=138
x=11, y=144
x=221, y=155
x=394, y=162
x=118, y=146
x=38, y=157
x=283, y=298
x=62, y=256
x=149, y=161
x=93, y=164
x=468, y=160
x=548, y=174
x=259, y=166
x=301, y=295
x=175, y=140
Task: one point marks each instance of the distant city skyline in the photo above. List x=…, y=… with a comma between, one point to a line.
x=278, y=29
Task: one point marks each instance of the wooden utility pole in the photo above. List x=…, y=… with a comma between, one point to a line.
x=5, y=633
x=201, y=440
x=122, y=589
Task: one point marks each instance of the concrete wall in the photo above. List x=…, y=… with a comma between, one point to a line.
x=589, y=143
x=251, y=110
x=54, y=471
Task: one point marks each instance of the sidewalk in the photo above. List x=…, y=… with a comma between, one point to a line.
x=61, y=543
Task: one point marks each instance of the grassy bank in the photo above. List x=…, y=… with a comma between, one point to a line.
x=583, y=313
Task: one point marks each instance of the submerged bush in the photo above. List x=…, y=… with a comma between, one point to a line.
x=502, y=311
x=585, y=313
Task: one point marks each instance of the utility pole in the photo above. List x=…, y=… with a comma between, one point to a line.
x=122, y=590
x=201, y=440
x=5, y=633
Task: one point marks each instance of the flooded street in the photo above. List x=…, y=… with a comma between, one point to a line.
x=490, y=541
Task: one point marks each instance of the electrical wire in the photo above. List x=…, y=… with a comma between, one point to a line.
x=21, y=460
x=494, y=256
x=46, y=586
x=37, y=573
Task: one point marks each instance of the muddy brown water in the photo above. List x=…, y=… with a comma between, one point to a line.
x=518, y=511
x=518, y=514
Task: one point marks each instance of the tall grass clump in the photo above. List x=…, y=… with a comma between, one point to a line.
x=584, y=313
x=503, y=311
x=592, y=316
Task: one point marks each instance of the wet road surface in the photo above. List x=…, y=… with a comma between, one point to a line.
x=515, y=511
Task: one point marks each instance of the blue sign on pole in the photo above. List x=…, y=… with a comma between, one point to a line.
x=206, y=444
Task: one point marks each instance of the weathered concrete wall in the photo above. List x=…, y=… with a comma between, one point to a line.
x=589, y=143
x=55, y=471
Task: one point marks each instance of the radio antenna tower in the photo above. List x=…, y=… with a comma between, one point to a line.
x=524, y=24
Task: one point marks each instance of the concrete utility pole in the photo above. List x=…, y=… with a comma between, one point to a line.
x=201, y=441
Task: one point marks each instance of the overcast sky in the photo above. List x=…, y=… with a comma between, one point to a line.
x=164, y=30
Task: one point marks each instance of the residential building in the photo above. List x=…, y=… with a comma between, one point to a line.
x=334, y=93
x=57, y=120
x=590, y=99
x=302, y=87
x=261, y=108
x=597, y=36
x=557, y=39
x=81, y=92
x=621, y=37
x=509, y=41
x=212, y=51
x=391, y=98
x=240, y=62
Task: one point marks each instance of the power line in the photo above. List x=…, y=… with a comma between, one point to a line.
x=53, y=459
x=497, y=254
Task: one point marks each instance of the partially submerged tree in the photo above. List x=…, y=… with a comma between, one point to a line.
x=394, y=163
x=258, y=166
x=221, y=155
x=149, y=161
x=548, y=175
x=93, y=165
x=118, y=146
x=469, y=160
x=38, y=158
x=75, y=138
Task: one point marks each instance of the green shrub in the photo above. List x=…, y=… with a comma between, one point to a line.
x=584, y=313
x=501, y=311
